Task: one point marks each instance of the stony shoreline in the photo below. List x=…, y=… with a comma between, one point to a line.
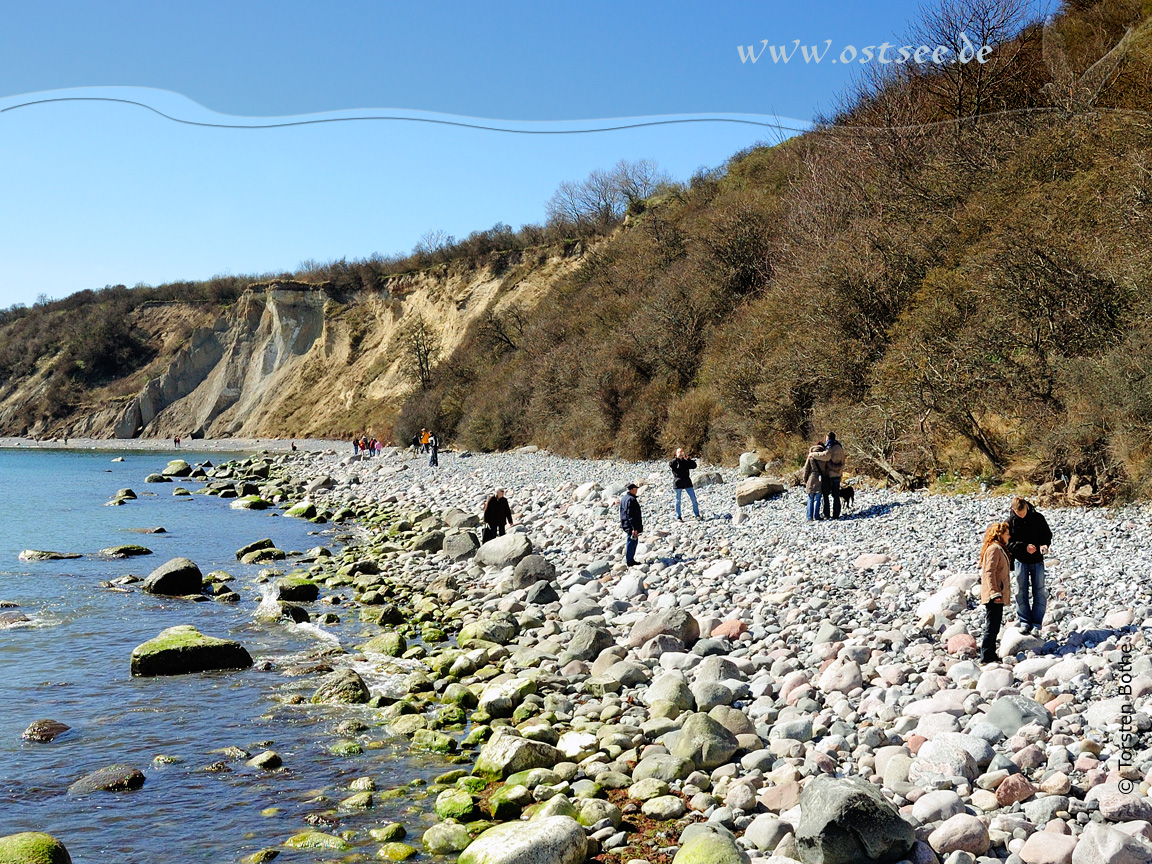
x=758, y=689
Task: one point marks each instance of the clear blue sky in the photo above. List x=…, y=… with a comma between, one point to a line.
x=101, y=193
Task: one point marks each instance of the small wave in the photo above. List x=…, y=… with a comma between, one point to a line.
x=315, y=631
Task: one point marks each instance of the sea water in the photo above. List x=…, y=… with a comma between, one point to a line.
x=70, y=663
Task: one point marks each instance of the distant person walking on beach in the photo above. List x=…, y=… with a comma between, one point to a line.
x=833, y=473
x=995, y=584
x=497, y=514
x=632, y=523
x=424, y=436
x=1028, y=543
x=434, y=450
x=682, y=481
x=814, y=468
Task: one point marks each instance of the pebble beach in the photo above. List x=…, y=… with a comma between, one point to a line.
x=757, y=689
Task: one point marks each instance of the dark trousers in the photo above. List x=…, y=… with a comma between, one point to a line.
x=995, y=616
x=630, y=548
x=830, y=489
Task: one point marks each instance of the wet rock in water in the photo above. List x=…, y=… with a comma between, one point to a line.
x=177, y=468
x=250, y=502
x=269, y=760
x=33, y=847
x=255, y=545
x=303, y=510
x=553, y=840
x=114, y=778
x=260, y=556
x=157, y=478
x=12, y=619
x=848, y=821
x=261, y=857
x=393, y=851
x=46, y=555
x=342, y=687
x=392, y=644
x=126, y=494
x=184, y=649
x=177, y=577
x=316, y=840
x=280, y=610
x=299, y=589
x=126, y=550
x=44, y=731
x=158, y=529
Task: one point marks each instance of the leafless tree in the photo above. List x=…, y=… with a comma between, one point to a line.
x=421, y=351
x=603, y=197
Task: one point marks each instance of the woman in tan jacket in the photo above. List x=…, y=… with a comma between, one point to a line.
x=994, y=585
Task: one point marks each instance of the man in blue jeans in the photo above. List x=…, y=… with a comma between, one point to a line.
x=1028, y=540
x=632, y=523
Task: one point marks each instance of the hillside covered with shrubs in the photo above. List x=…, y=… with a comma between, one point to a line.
x=952, y=272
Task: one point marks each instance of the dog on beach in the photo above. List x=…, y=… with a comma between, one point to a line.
x=847, y=495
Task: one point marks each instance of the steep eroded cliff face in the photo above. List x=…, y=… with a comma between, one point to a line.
x=291, y=358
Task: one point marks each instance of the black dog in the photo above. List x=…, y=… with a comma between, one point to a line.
x=847, y=495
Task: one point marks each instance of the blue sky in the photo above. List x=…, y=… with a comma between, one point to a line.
x=103, y=193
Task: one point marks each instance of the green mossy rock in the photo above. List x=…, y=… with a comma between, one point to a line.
x=250, y=502
x=157, y=478
x=389, y=833
x=396, y=852
x=303, y=510
x=177, y=468
x=555, y=840
x=32, y=847
x=342, y=687
x=316, y=840
x=455, y=804
x=359, y=801
x=710, y=847
x=430, y=741
x=184, y=649
x=266, y=543
x=446, y=838
x=261, y=857
x=262, y=555
x=390, y=644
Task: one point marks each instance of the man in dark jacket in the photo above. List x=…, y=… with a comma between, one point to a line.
x=497, y=514
x=632, y=523
x=1028, y=539
x=682, y=481
x=833, y=473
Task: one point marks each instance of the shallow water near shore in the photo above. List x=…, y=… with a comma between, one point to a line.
x=71, y=663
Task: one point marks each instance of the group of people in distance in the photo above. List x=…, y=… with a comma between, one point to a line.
x=1023, y=541
x=427, y=442
x=366, y=445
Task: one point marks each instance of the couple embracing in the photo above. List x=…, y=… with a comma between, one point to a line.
x=823, y=471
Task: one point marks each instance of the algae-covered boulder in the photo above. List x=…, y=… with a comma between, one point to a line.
x=554, y=840
x=114, y=778
x=32, y=847
x=455, y=804
x=710, y=847
x=342, y=687
x=46, y=555
x=391, y=644
x=260, y=556
x=126, y=550
x=303, y=510
x=157, y=478
x=177, y=468
x=299, y=589
x=184, y=649
x=177, y=577
x=316, y=840
x=250, y=502
x=506, y=754
x=704, y=742
x=446, y=838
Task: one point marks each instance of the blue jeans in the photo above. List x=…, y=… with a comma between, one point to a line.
x=1030, y=576
x=692, y=496
x=814, y=506
x=630, y=548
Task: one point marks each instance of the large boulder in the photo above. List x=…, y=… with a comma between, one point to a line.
x=505, y=754
x=847, y=820
x=32, y=847
x=297, y=589
x=45, y=731
x=46, y=555
x=1010, y=713
x=114, y=778
x=460, y=547
x=177, y=468
x=671, y=622
x=704, y=742
x=342, y=687
x=184, y=649
x=552, y=840
x=751, y=465
x=757, y=489
x=504, y=551
x=588, y=640
x=177, y=577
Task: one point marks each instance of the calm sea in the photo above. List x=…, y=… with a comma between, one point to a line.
x=72, y=665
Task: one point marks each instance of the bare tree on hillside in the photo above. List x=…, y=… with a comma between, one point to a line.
x=421, y=351
x=604, y=197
